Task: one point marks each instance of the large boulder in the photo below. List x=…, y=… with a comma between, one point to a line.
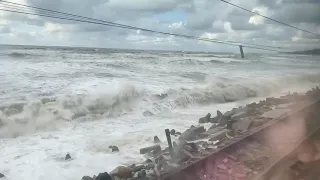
x=114, y=148
x=192, y=133
x=122, y=172
x=87, y=178
x=218, y=135
x=68, y=157
x=103, y=176
x=150, y=148
x=156, y=139
x=138, y=168
x=173, y=132
x=205, y=119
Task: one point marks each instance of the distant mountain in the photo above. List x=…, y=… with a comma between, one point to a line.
x=308, y=52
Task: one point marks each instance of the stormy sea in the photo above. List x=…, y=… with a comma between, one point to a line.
x=59, y=100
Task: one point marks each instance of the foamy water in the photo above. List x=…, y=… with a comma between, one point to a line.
x=79, y=101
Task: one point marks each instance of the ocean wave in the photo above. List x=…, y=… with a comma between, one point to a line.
x=21, y=55
x=223, y=91
x=44, y=114
x=48, y=113
x=208, y=61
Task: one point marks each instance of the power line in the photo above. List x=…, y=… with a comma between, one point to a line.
x=137, y=28
x=121, y=26
x=270, y=18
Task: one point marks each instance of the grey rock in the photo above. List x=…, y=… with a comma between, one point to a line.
x=223, y=120
x=218, y=135
x=242, y=125
x=150, y=166
x=122, y=172
x=173, y=132
x=276, y=113
x=239, y=115
x=205, y=119
x=86, y=178
x=229, y=113
x=213, y=120
x=156, y=139
x=148, y=161
x=114, y=148
x=103, y=176
x=150, y=148
x=2, y=175
x=183, y=156
x=142, y=174
x=191, y=134
x=67, y=157
x=138, y=168
x=178, y=133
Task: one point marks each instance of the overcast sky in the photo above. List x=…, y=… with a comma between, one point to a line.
x=204, y=18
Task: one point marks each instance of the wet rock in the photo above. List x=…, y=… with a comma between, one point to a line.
x=150, y=148
x=193, y=146
x=276, y=113
x=218, y=135
x=183, y=156
x=213, y=120
x=121, y=172
x=156, y=139
x=86, y=178
x=2, y=176
x=142, y=174
x=114, y=148
x=67, y=157
x=178, y=133
x=239, y=115
x=173, y=132
x=150, y=166
x=148, y=161
x=138, y=168
x=103, y=176
x=241, y=125
x=191, y=134
x=205, y=119
x=221, y=119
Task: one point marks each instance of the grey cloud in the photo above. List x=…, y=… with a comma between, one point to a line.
x=306, y=13
x=202, y=16
x=5, y=30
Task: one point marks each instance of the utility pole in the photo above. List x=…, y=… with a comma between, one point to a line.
x=241, y=51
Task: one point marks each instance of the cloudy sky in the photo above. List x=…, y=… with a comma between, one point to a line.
x=204, y=18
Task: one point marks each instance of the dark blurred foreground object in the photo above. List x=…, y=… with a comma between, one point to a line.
x=1, y=175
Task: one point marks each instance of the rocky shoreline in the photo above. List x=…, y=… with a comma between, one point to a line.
x=197, y=142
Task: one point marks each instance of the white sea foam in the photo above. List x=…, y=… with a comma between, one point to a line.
x=81, y=101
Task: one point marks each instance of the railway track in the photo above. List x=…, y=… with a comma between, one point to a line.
x=280, y=149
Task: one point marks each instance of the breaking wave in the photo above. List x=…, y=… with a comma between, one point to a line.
x=208, y=61
x=44, y=114
x=21, y=55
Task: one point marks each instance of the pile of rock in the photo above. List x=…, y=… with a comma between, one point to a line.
x=197, y=142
